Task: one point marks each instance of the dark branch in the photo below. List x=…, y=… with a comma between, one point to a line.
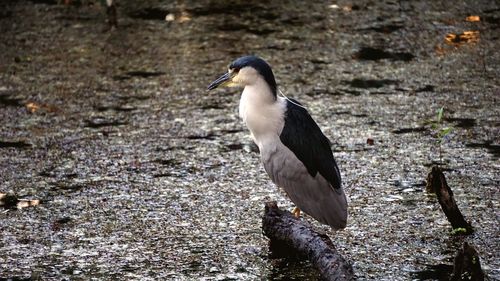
x=291, y=237
x=436, y=183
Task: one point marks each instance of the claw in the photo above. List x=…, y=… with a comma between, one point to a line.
x=296, y=212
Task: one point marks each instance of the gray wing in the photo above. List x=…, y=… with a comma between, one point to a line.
x=313, y=195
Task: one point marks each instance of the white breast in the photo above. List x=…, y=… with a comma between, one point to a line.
x=263, y=115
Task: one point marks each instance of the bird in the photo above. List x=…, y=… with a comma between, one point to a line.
x=295, y=153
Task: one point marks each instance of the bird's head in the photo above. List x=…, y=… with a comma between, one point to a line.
x=246, y=71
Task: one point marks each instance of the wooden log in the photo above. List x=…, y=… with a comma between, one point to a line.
x=467, y=265
x=436, y=182
x=290, y=236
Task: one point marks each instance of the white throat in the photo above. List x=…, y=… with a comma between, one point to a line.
x=261, y=112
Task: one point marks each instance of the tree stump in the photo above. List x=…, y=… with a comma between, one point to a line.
x=467, y=265
x=436, y=183
x=291, y=237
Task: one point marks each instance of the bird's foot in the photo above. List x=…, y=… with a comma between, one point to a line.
x=296, y=212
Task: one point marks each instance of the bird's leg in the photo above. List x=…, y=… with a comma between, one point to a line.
x=296, y=212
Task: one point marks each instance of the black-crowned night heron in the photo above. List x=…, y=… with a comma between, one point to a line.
x=295, y=153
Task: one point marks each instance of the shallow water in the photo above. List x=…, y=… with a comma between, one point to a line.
x=142, y=174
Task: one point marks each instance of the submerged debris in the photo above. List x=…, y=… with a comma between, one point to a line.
x=467, y=265
x=369, y=53
x=11, y=201
x=8, y=200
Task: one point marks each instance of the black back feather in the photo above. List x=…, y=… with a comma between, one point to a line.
x=305, y=139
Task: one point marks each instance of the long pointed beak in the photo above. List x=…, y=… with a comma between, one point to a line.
x=220, y=81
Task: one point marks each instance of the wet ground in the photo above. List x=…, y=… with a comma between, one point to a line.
x=142, y=174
